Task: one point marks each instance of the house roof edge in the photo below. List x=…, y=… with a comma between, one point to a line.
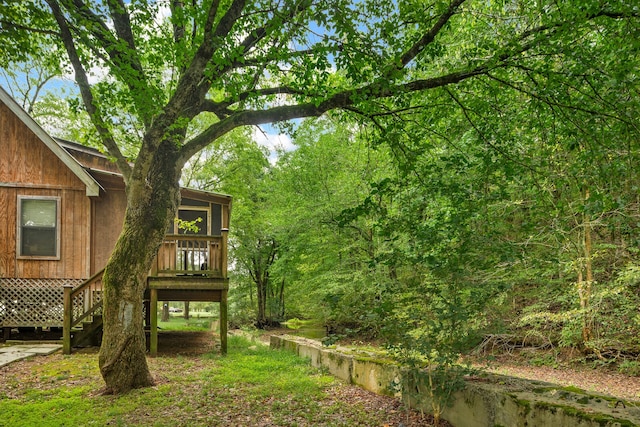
x=92, y=186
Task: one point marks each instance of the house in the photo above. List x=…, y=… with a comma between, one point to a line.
x=61, y=211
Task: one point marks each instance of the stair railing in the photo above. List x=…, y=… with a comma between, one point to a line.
x=81, y=302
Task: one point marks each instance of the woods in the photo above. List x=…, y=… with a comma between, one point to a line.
x=468, y=154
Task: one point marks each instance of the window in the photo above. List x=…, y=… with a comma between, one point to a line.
x=38, y=227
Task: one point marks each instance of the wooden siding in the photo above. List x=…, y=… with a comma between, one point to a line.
x=74, y=237
x=108, y=214
x=27, y=162
x=28, y=167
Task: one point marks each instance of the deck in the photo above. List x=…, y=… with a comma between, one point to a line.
x=187, y=268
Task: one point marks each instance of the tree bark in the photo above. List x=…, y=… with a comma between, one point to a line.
x=261, y=287
x=281, y=300
x=165, y=311
x=585, y=291
x=152, y=201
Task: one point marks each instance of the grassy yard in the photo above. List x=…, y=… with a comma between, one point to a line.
x=251, y=386
x=196, y=322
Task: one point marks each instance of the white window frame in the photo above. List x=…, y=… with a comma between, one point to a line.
x=19, y=254
x=194, y=208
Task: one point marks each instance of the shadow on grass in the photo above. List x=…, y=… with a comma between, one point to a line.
x=251, y=386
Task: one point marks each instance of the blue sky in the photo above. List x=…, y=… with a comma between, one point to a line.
x=267, y=135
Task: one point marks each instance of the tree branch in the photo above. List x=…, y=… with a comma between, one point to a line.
x=339, y=100
x=555, y=103
x=124, y=59
x=427, y=38
x=261, y=32
x=179, y=30
x=122, y=25
x=465, y=112
x=221, y=109
x=372, y=91
x=193, y=86
x=207, y=49
x=4, y=24
x=85, y=91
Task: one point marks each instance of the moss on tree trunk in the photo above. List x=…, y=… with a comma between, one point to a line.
x=152, y=201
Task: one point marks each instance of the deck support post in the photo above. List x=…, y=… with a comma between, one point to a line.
x=223, y=321
x=224, y=249
x=223, y=294
x=153, y=308
x=66, y=322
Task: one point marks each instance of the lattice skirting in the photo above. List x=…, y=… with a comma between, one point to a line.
x=32, y=302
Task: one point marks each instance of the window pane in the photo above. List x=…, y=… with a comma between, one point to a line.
x=198, y=217
x=38, y=221
x=216, y=219
x=39, y=213
x=38, y=241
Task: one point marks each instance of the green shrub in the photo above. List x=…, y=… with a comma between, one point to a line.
x=629, y=367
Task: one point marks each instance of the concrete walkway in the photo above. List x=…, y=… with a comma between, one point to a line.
x=22, y=351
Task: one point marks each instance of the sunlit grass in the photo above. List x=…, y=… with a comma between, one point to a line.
x=252, y=385
x=196, y=322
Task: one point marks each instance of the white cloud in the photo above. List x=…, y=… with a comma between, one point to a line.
x=274, y=142
x=95, y=74
x=163, y=13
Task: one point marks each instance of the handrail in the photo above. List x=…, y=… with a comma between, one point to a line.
x=97, y=306
x=80, y=302
x=198, y=237
x=192, y=254
x=85, y=283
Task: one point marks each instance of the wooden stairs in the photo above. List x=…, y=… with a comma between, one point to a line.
x=87, y=333
x=82, y=314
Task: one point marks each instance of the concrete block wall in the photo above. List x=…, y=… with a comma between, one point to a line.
x=489, y=400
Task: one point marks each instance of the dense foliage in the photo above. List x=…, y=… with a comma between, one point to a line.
x=433, y=242
x=484, y=149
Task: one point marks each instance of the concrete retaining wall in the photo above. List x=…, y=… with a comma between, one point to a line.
x=489, y=400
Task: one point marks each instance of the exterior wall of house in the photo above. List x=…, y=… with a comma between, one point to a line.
x=29, y=168
x=109, y=210
x=108, y=216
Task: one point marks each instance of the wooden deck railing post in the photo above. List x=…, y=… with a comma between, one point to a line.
x=66, y=322
x=223, y=251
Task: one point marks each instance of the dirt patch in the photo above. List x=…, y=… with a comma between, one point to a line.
x=187, y=343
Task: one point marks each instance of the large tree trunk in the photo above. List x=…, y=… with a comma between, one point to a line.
x=261, y=287
x=152, y=202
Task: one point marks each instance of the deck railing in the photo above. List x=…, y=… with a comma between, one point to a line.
x=81, y=303
x=183, y=254
x=179, y=255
